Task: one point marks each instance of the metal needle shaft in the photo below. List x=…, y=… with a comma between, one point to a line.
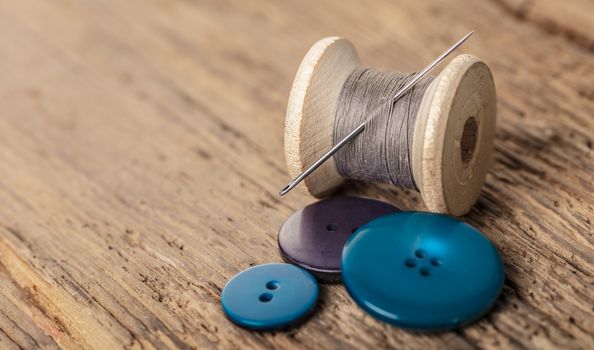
x=362, y=126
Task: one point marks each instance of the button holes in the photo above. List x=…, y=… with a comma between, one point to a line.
x=332, y=227
x=410, y=263
x=265, y=297
x=272, y=285
x=420, y=253
x=424, y=271
x=435, y=262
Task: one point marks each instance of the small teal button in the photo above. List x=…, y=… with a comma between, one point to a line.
x=270, y=296
x=422, y=271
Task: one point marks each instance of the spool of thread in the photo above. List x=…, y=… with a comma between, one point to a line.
x=436, y=139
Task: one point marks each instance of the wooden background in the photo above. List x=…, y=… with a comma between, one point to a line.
x=141, y=152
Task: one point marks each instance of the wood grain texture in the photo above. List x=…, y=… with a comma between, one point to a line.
x=141, y=150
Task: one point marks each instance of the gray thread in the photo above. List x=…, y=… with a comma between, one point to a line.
x=381, y=153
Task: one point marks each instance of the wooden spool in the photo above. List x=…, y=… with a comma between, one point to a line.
x=453, y=135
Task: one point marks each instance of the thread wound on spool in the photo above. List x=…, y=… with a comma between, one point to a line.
x=382, y=153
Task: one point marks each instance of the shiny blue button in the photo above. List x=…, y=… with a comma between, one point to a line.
x=422, y=271
x=270, y=296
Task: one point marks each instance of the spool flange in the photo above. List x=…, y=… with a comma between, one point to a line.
x=453, y=135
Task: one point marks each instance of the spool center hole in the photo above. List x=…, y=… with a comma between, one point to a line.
x=468, y=140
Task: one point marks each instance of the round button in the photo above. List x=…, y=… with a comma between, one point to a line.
x=269, y=296
x=314, y=236
x=422, y=271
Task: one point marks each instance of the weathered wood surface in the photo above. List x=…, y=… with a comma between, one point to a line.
x=141, y=153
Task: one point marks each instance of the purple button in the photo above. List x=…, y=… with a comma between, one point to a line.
x=314, y=236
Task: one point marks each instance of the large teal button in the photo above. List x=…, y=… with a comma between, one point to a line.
x=422, y=271
x=270, y=296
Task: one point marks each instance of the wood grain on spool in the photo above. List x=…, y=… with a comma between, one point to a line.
x=458, y=110
x=311, y=108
